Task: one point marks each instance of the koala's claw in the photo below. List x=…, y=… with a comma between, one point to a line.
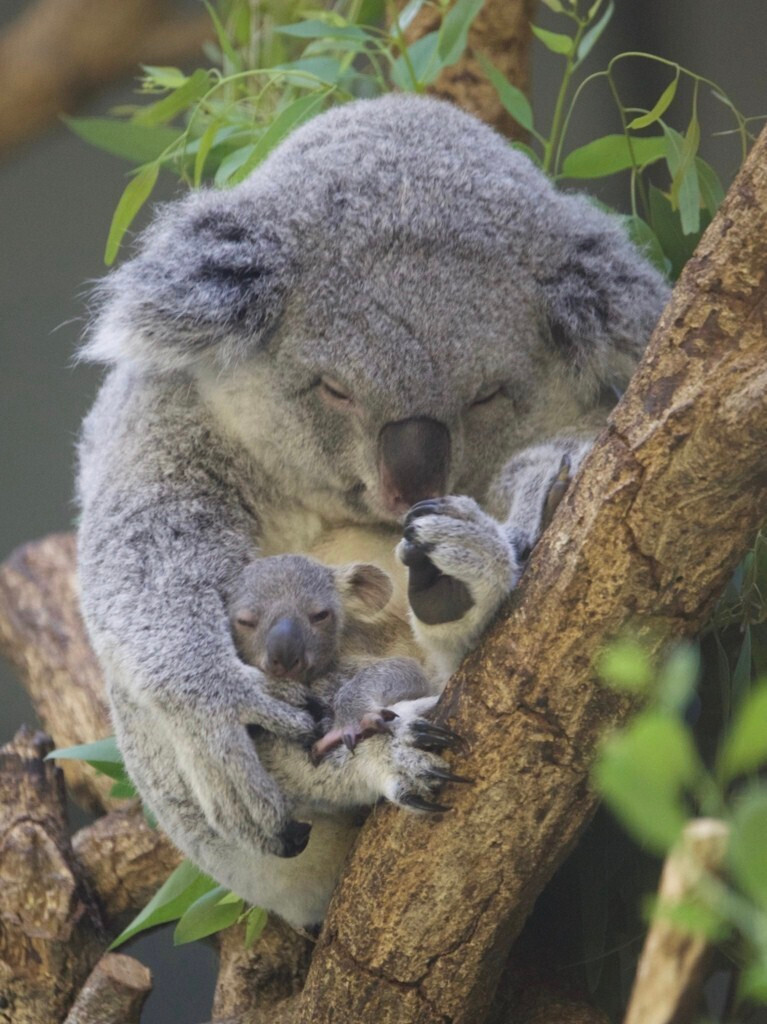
x=419, y=803
x=294, y=838
x=428, y=736
x=443, y=775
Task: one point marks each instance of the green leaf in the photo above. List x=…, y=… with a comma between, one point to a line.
x=645, y=239
x=136, y=193
x=103, y=751
x=183, y=888
x=557, y=42
x=741, y=676
x=678, y=677
x=454, y=30
x=207, y=915
x=748, y=845
x=254, y=925
x=512, y=98
x=666, y=224
x=424, y=60
x=123, y=790
x=232, y=163
x=643, y=773
x=137, y=142
x=753, y=982
x=745, y=746
x=694, y=918
x=661, y=106
x=203, y=149
x=179, y=100
x=610, y=154
x=303, y=72
x=314, y=28
x=295, y=113
x=590, y=38
x=528, y=151
x=224, y=41
x=555, y=6
x=168, y=78
x=711, y=191
x=407, y=14
x=680, y=157
x=626, y=667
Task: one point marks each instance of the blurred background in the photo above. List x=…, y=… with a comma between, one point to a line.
x=57, y=195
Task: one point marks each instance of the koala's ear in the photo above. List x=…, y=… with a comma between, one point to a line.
x=209, y=280
x=365, y=589
x=601, y=297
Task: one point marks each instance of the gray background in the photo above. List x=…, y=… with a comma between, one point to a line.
x=56, y=199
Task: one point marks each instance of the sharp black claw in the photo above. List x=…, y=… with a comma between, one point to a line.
x=437, y=735
x=445, y=776
x=423, y=508
x=350, y=741
x=419, y=804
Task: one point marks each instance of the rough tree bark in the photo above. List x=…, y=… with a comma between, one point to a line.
x=58, y=51
x=663, y=509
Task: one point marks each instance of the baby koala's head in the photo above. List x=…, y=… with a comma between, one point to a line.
x=288, y=612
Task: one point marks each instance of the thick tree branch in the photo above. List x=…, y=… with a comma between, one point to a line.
x=672, y=967
x=663, y=509
x=114, y=993
x=59, y=51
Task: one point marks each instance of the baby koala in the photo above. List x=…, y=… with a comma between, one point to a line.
x=308, y=625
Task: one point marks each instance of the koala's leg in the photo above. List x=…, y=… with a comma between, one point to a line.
x=362, y=705
x=530, y=486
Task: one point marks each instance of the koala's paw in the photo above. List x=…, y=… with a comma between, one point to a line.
x=461, y=564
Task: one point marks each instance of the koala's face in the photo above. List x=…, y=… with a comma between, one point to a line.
x=288, y=612
x=287, y=617
x=387, y=309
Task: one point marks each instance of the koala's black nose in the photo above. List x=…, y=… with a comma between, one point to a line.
x=285, y=650
x=414, y=459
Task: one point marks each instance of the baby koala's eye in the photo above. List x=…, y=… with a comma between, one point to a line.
x=487, y=395
x=334, y=392
x=249, y=621
x=320, y=616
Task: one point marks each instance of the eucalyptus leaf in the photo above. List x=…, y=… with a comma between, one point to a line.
x=139, y=143
x=644, y=238
x=315, y=28
x=643, y=774
x=741, y=676
x=748, y=845
x=678, y=677
x=136, y=193
x=528, y=151
x=659, y=109
x=204, y=147
x=711, y=191
x=223, y=39
x=176, y=102
x=307, y=69
x=610, y=154
x=232, y=163
x=295, y=113
x=626, y=667
x=666, y=224
x=408, y=14
x=182, y=888
x=105, y=751
x=557, y=42
x=168, y=78
x=255, y=922
x=680, y=157
x=513, y=99
x=454, y=30
x=424, y=60
x=554, y=5
x=591, y=37
x=123, y=790
x=211, y=913
x=745, y=746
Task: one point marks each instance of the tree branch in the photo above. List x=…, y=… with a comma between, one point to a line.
x=664, y=507
x=114, y=993
x=59, y=51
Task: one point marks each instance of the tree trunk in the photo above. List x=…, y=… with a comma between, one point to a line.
x=663, y=509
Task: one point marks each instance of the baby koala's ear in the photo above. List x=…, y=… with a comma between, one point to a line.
x=365, y=589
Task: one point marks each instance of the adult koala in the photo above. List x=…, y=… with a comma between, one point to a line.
x=395, y=306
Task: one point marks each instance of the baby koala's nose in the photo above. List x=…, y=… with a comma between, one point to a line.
x=285, y=651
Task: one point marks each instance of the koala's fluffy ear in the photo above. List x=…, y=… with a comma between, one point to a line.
x=365, y=589
x=209, y=279
x=600, y=296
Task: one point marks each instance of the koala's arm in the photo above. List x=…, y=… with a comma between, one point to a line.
x=168, y=520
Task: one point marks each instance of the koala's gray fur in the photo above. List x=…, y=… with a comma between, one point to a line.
x=394, y=251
